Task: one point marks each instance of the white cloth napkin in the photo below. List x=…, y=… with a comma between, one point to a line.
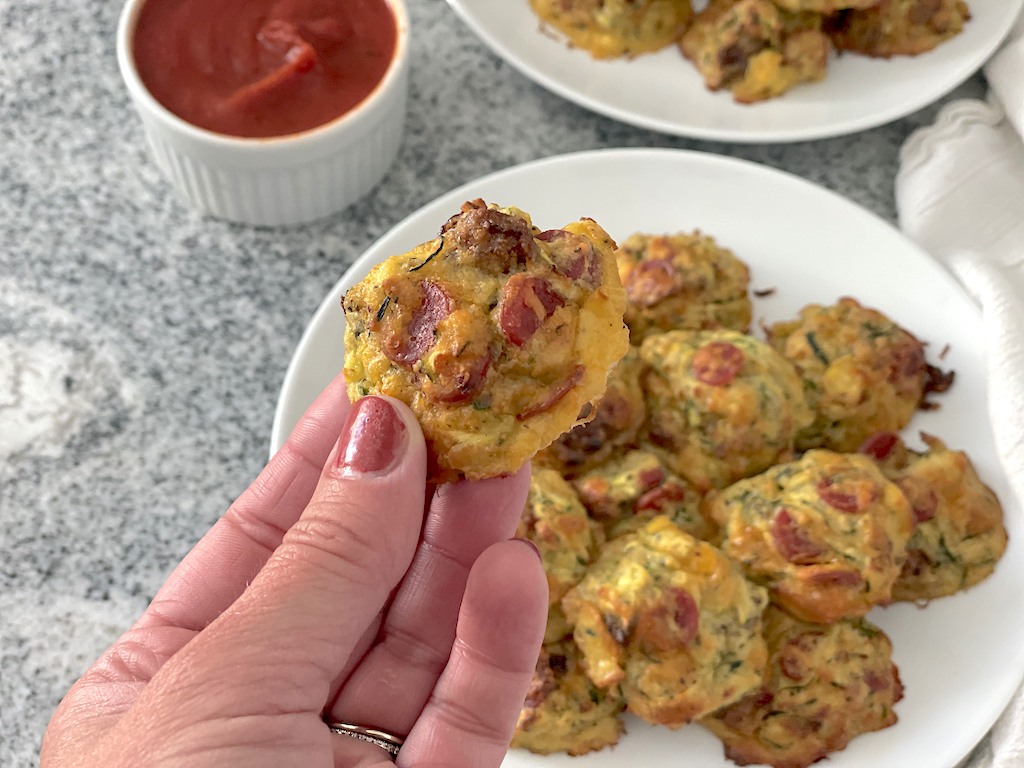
x=960, y=194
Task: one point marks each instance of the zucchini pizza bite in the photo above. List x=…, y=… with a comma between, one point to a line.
x=862, y=373
x=898, y=27
x=682, y=282
x=822, y=6
x=564, y=711
x=610, y=28
x=494, y=333
x=755, y=48
x=721, y=405
x=566, y=537
x=825, y=685
x=628, y=492
x=959, y=534
x=670, y=620
x=826, y=534
x=617, y=418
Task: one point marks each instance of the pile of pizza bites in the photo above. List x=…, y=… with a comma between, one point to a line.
x=725, y=511
x=758, y=49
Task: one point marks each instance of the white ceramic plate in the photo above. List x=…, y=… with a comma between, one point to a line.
x=960, y=659
x=665, y=93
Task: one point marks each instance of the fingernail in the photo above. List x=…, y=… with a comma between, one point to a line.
x=372, y=437
x=532, y=546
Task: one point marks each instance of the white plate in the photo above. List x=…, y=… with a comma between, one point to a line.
x=960, y=659
x=665, y=93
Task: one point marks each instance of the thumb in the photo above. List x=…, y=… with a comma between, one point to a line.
x=295, y=626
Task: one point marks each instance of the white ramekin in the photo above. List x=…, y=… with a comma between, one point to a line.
x=279, y=180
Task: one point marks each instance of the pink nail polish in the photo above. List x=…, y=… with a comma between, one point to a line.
x=372, y=438
x=532, y=545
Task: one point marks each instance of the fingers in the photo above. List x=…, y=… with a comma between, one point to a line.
x=208, y=580
x=392, y=684
x=217, y=570
x=472, y=711
x=279, y=646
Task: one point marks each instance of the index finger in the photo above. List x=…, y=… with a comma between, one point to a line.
x=215, y=573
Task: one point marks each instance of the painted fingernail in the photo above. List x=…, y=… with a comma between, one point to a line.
x=532, y=545
x=372, y=438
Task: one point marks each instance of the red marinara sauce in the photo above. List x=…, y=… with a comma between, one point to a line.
x=258, y=68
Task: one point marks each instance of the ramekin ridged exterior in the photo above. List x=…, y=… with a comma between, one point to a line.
x=283, y=179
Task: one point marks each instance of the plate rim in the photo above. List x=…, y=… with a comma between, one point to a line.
x=1004, y=688
x=673, y=128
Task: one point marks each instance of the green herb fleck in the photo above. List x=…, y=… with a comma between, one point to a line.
x=812, y=341
x=430, y=257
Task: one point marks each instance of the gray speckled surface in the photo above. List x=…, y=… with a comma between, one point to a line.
x=142, y=345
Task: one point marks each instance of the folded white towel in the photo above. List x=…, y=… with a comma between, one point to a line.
x=960, y=194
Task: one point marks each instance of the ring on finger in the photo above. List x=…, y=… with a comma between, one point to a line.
x=382, y=739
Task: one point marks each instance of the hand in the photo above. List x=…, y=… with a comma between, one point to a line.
x=334, y=592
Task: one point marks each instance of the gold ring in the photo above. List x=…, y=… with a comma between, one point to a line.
x=380, y=738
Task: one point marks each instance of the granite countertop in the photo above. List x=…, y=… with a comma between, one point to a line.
x=142, y=345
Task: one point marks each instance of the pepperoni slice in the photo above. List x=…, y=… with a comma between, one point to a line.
x=651, y=281
x=907, y=361
x=554, y=396
x=662, y=496
x=922, y=13
x=526, y=302
x=921, y=497
x=876, y=682
x=717, y=363
x=418, y=337
x=836, y=498
x=739, y=714
x=551, y=234
x=879, y=445
x=792, y=542
x=790, y=665
x=651, y=477
x=685, y=613
x=661, y=438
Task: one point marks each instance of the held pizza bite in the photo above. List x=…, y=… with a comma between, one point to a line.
x=495, y=333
